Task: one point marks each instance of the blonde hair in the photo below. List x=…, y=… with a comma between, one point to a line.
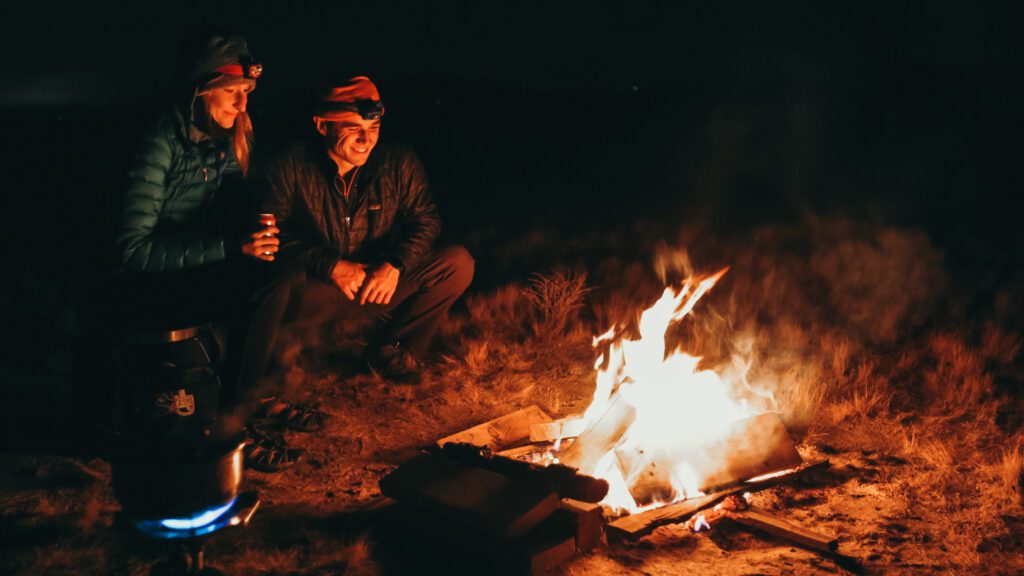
x=241, y=133
x=241, y=140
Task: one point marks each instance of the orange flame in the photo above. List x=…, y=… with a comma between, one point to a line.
x=679, y=408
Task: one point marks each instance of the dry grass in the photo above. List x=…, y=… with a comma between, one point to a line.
x=557, y=299
x=845, y=327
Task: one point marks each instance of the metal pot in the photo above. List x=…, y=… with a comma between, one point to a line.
x=156, y=483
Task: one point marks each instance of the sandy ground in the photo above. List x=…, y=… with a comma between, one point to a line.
x=321, y=517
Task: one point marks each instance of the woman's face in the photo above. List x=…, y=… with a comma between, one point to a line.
x=224, y=104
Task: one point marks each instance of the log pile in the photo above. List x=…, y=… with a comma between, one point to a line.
x=478, y=488
x=527, y=517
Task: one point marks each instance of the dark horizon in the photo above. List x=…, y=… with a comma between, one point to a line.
x=576, y=118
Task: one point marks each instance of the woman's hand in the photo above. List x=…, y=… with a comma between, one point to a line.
x=262, y=244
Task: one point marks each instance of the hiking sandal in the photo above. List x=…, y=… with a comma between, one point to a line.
x=294, y=416
x=265, y=454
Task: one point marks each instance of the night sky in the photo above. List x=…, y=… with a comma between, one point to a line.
x=564, y=114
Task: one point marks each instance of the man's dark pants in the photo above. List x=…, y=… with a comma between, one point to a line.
x=419, y=305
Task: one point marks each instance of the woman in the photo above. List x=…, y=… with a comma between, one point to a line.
x=182, y=260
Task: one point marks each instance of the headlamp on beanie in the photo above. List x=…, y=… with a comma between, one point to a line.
x=367, y=109
x=357, y=94
x=246, y=68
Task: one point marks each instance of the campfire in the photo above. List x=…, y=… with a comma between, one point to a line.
x=662, y=439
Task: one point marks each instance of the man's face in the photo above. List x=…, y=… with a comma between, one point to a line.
x=224, y=104
x=349, y=140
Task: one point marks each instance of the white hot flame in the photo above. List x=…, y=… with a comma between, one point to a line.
x=679, y=407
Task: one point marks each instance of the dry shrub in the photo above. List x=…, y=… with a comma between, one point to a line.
x=1011, y=474
x=500, y=313
x=882, y=283
x=557, y=299
x=478, y=357
x=957, y=382
x=999, y=346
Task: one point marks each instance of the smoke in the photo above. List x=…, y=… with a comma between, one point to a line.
x=805, y=307
x=882, y=284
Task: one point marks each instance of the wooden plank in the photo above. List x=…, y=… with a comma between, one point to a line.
x=484, y=500
x=568, y=427
x=501, y=432
x=588, y=519
x=549, y=545
x=762, y=520
x=600, y=437
x=523, y=451
x=637, y=525
x=753, y=447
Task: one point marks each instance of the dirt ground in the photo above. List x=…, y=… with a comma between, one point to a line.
x=921, y=425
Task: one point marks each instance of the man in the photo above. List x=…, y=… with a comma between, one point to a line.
x=358, y=227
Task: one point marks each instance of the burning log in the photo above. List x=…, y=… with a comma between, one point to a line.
x=501, y=432
x=649, y=475
x=481, y=499
x=637, y=525
x=562, y=480
x=600, y=437
x=753, y=447
x=568, y=427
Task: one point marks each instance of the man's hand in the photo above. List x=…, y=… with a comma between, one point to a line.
x=262, y=244
x=348, y=277
x=380, y=285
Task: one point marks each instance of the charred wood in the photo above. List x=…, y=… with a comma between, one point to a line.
x=637, y=525
x=557, y=478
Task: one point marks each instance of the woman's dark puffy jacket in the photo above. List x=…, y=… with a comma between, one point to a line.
x=168, y=221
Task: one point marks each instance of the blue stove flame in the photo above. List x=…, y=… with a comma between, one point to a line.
x=200, y=523
x=197, y=520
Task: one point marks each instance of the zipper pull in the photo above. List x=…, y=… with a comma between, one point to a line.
x=348, y=221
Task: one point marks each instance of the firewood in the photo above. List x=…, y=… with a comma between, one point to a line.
x=637, y=525
x=550, y=544
x=588, y=519
x=563, y=480
x=648, y=474
x=760, y=519
x=600, y=437
x=753, y=447
x=524, y=451
x=481, y=499
x=568, y=427
x=501, y=432
x=460, y=548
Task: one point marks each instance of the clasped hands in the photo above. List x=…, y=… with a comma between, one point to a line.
x=355, y=279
